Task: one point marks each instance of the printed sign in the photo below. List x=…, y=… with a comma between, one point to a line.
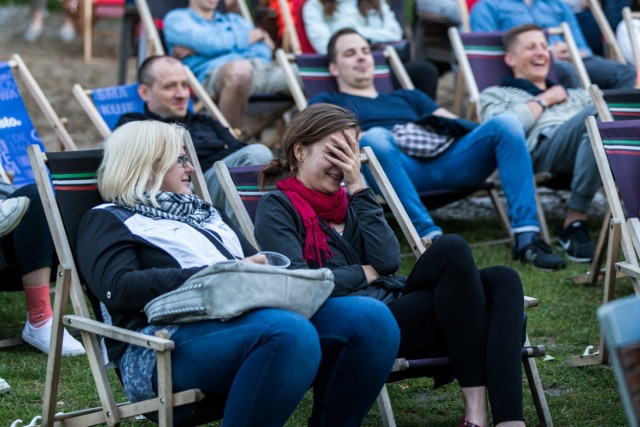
x=16, y=130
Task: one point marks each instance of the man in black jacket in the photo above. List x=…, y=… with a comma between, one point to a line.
x=165, y=89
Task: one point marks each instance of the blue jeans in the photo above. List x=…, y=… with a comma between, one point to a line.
x=605, y=73
x=467, y=163
x=260, y=365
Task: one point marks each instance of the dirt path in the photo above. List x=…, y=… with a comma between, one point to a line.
x=57, y=66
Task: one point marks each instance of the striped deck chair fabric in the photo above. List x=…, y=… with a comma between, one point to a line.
x=486, y=57
x=112, y=102
x=245, y=179
x=621, y=141
x=73, y=175
x=16, y=129
x=315, y=76
x=624, y=104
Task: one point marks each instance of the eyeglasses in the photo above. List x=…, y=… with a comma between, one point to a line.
x=184, y=160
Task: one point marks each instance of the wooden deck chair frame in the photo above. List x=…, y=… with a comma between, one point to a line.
x=628, y=16
x=620, y=323
x=418, y=246
x=468, y=77
x=620, y=234
x=17, y=64
x=68, y=285
x=290, y=39
x=87, y=26
x=611, y=45
x=84, y=98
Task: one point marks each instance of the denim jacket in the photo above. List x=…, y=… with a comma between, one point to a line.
x=502, y=15
x=219, y=40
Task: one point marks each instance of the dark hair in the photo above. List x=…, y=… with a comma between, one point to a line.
x=364, y=6
x=307, y=127
x=511, y=37
x=331, y=46
x=145, y=73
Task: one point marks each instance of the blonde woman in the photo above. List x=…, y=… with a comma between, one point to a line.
x=152, y=235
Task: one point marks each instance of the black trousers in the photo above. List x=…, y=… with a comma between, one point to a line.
x=450, y=307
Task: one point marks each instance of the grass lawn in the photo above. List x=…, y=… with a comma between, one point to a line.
x=565, y=323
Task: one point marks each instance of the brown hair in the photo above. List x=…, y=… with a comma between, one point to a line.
x=511, y=37
x=307, y=127
x=331, y=45
x=364, y=6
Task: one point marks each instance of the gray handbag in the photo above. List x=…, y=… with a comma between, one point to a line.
x=229, y=288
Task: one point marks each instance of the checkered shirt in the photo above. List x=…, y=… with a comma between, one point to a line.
x=420, y=141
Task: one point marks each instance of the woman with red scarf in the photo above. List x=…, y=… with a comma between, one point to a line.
x=446, y=306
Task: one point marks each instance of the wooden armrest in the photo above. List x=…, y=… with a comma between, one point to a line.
x=628, y=269
x=117, y=333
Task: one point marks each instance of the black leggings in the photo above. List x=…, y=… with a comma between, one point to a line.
x=450, y=307
x=29, y=247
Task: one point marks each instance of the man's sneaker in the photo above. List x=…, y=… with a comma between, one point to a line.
x=40, y=338
x=539, y=254
x=575, y=241
x=4, y=386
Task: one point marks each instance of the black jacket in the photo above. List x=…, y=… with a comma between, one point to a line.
x=211, y=140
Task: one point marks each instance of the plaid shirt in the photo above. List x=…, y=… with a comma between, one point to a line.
x=420, y=141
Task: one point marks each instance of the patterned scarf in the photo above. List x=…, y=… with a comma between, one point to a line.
x=186, y=208
x=311, y=205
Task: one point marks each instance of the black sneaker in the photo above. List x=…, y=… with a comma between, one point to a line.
x=539, y=254
x=575, y=241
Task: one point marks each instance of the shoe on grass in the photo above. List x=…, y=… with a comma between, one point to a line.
x=11, y=212
x=4, y=386
x=539, y=254
x=40, y=338
x=574, y=240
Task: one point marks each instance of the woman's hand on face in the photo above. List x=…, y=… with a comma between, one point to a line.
x=256, y=259
x=345, y=154
x=371, y=273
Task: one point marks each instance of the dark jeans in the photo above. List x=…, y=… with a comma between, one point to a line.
x=450, y=307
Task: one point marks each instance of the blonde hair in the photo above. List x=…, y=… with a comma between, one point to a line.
x=137, y=155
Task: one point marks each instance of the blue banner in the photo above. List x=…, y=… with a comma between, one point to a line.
x=112, y=102
x=16, y=130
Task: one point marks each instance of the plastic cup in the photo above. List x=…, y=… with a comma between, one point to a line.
x=276, y=259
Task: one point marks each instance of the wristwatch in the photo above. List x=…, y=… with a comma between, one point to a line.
x=540, y=102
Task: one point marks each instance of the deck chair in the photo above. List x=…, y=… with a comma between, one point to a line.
x=616, y=147
x=480, y=56
x=620, y=321
x=314, y=73
x=17, y=131
x=271, y=107
x=240, y=185
x=93, y=10
x=104, y=106
x=613, y=104
x=67, y=185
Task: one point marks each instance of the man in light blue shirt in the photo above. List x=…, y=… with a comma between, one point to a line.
x=502, y=15
x=230, y=56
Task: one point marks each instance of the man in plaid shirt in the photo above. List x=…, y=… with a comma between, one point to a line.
x=423, y=147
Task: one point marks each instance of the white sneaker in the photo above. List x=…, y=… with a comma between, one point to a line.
x=4, y=386
x=40, y=338
x=11, y=212
x=33, y=33
x=67, y=33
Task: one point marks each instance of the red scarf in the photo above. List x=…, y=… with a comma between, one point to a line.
x=311, y=205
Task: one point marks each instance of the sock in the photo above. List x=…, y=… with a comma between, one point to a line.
x=38, y=305
x=524, y=239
